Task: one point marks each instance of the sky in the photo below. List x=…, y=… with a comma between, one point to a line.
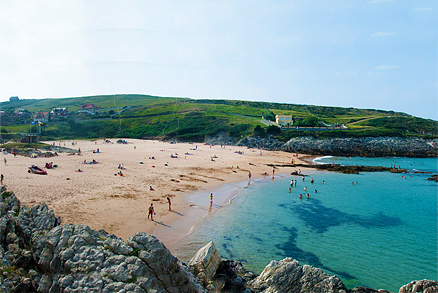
x=369, y=54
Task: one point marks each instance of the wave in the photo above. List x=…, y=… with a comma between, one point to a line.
x=321, y=158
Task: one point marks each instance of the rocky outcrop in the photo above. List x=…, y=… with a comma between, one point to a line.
x=347, y=169
x=423, y=286
x=221, y=139
x=204, y=265
x=257, y=142
x=37, y=254
x=365, y=147
x=288, y=275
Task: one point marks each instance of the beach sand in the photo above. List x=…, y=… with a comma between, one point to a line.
x=119, y=205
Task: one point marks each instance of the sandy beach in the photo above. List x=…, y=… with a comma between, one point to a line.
x=119, y=204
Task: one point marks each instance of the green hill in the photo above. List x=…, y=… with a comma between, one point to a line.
x=143, y=116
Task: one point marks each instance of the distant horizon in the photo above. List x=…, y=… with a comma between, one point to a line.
x=218, y=99
x=365, y=54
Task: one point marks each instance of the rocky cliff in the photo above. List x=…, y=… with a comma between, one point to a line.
x=364, y=147
x=37, y=254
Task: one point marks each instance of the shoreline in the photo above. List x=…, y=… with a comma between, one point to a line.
x=223, y=195
x=118, y=205
x=179, y=246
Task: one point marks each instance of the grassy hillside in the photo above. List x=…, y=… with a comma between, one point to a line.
x=186, y=119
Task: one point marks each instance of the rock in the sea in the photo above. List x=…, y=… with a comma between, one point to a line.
x=423, y=286
x=287, y=276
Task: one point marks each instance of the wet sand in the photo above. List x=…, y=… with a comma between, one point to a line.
x=119, y=205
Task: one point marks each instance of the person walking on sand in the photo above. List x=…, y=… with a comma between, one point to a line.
x=249, y=176
x=151, y=212
x=168, y=201
x=6, y=161
x=2, y=178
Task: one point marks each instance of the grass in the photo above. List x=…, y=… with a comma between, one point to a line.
x=191, y=120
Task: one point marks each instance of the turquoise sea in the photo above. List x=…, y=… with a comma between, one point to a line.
x=375, y=229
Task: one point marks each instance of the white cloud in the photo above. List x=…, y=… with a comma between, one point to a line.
x=378, y=1
x=422, y=8
x=385, y=67
x=381, y=34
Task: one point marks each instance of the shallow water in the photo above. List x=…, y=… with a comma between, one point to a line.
x=377, y=230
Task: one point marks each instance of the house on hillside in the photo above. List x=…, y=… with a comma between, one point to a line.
x=14, y=99
x=57, y=113
x=88, y=109
x=283, y=120
x=18, y=117
x=42, y=117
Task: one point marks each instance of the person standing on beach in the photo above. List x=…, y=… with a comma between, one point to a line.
x=2, y=178
x=6, y=161
x=211, y=198
x=151, y=212
x=249, y=176
x=168, y=201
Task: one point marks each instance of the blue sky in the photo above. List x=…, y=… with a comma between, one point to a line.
x=374, y=54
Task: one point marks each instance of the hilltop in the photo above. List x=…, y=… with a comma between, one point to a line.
x=184, y=119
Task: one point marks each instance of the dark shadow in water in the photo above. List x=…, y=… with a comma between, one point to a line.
x=321, y=218
x=290, y=249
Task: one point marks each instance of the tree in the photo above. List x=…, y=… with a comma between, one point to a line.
x=309, y=121
x=259, y=131
x=273, y=129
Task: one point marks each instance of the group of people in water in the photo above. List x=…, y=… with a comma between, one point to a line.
x=293, y=183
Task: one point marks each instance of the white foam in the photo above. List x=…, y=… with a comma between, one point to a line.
x=321, y=158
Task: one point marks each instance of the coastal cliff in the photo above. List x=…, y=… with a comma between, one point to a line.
x=364, y=147
x=38, y=254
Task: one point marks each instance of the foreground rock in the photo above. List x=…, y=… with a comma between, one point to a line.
x=425, y=286
x=288, y=275
x=37, y=254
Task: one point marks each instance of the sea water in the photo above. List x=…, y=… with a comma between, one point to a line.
x=373, y=229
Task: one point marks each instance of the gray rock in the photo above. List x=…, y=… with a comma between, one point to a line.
x=74, y=258
x=288, y=275
x=423, y=286
x=364, y=146
x=204, y=265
